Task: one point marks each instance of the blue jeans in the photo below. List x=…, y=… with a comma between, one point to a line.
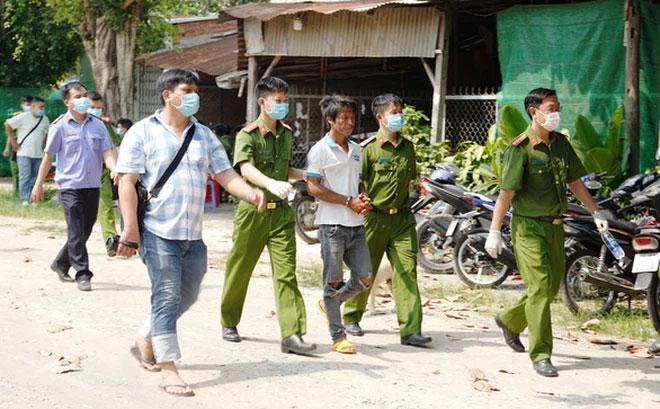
x=176, y=269
x=28, y=168
x=339, y=245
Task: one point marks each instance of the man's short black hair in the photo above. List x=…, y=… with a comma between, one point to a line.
x=270, y=85
x=169, y=79
x=382, y=102
x=332, y=104
x=37, y=99
x=125, y=122
x=94, y=96
x=222, y=129
x=536, y=96
x=26, y=98
x=66, y=88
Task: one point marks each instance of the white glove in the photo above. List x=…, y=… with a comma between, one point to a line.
x=494, y=243
x=279, y=189
x=600, y=219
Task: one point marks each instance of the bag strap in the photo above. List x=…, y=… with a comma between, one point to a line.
x=31, y=130
x=170, y=169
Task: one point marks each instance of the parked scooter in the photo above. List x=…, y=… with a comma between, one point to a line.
x=304, y=206
x=595, y=279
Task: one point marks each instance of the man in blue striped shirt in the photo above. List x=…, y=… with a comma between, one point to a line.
x=171, y=244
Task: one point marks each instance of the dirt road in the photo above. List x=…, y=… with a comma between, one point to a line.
x=46, y=323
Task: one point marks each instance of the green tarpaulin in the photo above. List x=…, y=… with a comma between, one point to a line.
x=578, y=50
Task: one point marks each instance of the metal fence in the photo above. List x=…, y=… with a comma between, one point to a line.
x=469, y=113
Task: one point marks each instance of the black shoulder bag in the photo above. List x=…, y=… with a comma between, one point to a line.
x=13, y=155
x=144, y=196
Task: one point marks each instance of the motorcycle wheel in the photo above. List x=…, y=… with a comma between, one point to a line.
x=305, y=210
x=474, y=266
x=580, y=297
x=430, y=254
x=653, y=300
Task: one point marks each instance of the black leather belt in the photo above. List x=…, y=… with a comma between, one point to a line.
x=391, y=210
x=550, y=219
x=275, y=204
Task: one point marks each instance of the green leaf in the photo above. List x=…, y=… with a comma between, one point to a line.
x=585, y=137
x=602, y=160
x=512, y=123
x=613, y=141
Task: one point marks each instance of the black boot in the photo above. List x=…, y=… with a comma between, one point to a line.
x=231, y=334
x=295, y=345
x=545, y=368
x=511, y=338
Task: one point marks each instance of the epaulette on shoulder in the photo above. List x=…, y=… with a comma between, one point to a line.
x=519, y=139
x=250, y=127
x=58, y=119
x=286, y=126
x=368, y=140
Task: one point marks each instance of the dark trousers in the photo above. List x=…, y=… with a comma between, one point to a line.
x=80, y=209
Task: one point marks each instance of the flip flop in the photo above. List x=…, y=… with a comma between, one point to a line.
x=343, y=346
x=168, y=389
x=149, y=366
x=321, y=308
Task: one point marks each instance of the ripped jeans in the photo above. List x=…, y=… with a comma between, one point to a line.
x=176, y=269
x=342, y=244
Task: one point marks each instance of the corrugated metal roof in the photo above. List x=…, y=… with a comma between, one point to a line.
x=388, y=32
x=268, y=11
x=214, y=58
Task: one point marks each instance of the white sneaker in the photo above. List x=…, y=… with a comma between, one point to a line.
x=25, y=204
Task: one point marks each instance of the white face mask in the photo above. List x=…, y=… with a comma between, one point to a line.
x=552, y=120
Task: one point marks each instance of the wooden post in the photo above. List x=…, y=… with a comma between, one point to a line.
x=440, y=77
x=251, y=109
x=272, y=65
x=631, y=42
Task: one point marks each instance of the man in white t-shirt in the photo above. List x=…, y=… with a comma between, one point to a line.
x=333, y=177
x=28, y=142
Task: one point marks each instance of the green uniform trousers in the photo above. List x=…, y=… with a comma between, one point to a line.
x=252, y=231
x=395, y=236
x=13, y=168
x=107, y=216
x=539, y=250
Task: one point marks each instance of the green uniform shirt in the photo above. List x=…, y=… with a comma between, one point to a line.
x=116, y=140
x=269, y=150
x=538, y=173
x=387, y=170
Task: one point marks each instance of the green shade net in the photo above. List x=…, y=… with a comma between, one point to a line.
x=577, y=49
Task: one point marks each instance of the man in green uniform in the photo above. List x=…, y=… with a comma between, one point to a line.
x=537, y=167
x=263, y=152
x=388, y=168
x=107, y=216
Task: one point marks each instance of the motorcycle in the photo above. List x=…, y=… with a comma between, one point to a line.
x=595, y=280
x=646, y=268
x=304, y=206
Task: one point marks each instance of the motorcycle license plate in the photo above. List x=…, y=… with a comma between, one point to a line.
x=644, y=263
x=451, y=228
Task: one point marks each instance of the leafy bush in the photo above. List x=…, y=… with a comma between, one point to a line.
x=595, y=155
x=417, y=128
x=481, y=165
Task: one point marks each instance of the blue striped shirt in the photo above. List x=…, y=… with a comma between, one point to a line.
x=147, y=149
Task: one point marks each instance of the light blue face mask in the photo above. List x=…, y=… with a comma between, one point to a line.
x=395, y=122
x=279, y=111
x=40, y=113
x=27, y=108
x=81, y=105
x=120, y=131
x=97, y=112
x=189, y=104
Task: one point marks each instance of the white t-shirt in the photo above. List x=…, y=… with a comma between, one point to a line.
x=33, y=146
x=340, y=172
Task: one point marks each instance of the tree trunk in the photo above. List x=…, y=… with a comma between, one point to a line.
x=111, y=54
